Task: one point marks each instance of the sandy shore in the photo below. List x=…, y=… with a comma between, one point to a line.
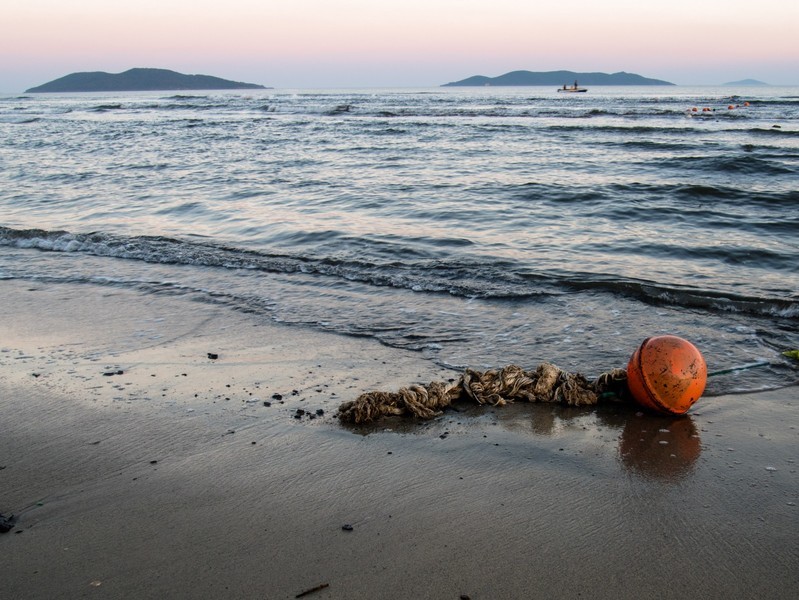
x=138, y=467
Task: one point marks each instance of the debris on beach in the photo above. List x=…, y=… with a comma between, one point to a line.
x=496, y=387
x=213, y=355
x=312, y=590
x=666, y=374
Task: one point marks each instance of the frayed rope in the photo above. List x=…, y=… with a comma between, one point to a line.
x=496, y=387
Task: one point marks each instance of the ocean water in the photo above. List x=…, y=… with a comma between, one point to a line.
x=481, y=227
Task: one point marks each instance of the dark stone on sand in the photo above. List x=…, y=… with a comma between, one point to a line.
x=320, y=412
x=346, y=527
x=213, y=355
x=6, y=523
x=112, y=373
x=277, y=396
x=267, y=403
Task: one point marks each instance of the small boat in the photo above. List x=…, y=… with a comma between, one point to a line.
x=572, y=89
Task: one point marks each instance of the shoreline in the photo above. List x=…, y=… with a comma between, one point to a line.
x=174, y=479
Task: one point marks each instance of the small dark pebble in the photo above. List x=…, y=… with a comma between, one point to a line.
x=112, y=373
x=320, y=412
x=443, y=436
x=253, y=443
x=213, y=355
x=267, y=403
x=36, y=374
x=465, y=597
x=346, y=527
x=153, y=462
x=277, y=396
x=295, y=392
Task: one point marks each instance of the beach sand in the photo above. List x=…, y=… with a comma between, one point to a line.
x=138, y=467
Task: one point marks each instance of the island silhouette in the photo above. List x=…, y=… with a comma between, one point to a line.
x=557, y=78
x=139, y=80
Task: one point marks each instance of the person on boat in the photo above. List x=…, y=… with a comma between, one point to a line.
x=575, y=84
x=564, y=86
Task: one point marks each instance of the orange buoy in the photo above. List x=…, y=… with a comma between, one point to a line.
x=666, y=374
x=731, y=107
x=746, y=104
x=694, y=109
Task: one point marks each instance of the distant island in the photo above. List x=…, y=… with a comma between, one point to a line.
x=747, y=82
x=139, y=80
x=557, y=78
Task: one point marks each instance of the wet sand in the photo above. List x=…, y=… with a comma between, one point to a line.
x=138, y=467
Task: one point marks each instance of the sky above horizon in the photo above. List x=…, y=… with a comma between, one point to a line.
x=412, y=43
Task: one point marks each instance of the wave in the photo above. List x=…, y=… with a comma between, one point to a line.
x=105, y=107
x=19, y=120
x=774, y=130
x=641, y=191
x=463, y=277
x=750, y=165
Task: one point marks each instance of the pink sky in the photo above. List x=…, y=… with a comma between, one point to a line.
x=360, y=43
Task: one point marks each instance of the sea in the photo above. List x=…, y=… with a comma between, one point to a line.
x=479, y=227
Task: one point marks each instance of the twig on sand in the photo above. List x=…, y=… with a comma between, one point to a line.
x=312, y=590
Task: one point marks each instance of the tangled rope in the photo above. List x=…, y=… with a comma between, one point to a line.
x=497, y=387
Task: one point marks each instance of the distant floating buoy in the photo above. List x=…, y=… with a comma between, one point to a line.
x=667, y=374
x=746, y=104
x=731, y=106
x=694, y=109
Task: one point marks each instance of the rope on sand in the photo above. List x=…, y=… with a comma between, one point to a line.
x=497, y=387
